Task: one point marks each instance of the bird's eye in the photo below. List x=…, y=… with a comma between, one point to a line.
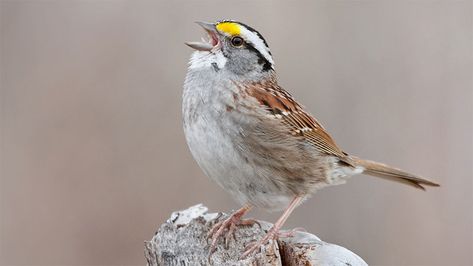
x=237, y=41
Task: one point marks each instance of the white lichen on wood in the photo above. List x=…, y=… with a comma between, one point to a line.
x=183, y=240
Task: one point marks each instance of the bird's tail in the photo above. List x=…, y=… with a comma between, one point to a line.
x=391, y=173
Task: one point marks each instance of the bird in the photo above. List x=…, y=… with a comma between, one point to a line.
x=249, y=135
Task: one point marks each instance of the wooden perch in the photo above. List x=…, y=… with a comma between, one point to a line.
x=182, y=240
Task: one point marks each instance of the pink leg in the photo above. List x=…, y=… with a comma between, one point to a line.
x=273, y=232
x=230, y=223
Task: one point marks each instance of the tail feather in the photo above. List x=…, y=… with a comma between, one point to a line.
x=393, y=174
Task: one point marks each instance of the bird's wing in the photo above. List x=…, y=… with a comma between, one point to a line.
x=282, y=106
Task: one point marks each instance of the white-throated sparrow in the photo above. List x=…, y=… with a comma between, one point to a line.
x=250, y=136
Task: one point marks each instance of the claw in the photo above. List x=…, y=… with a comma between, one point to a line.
x=230, y=234
x=252, y=247
x=218, y=230
x=230, y=225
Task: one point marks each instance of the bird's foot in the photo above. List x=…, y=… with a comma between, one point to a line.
x=229, y=225
x=272, y=234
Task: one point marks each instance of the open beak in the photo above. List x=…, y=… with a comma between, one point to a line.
x=206, y=45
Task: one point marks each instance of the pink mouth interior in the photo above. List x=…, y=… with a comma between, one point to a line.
x=213, y=39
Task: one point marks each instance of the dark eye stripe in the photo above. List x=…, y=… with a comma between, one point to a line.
x=261, y=59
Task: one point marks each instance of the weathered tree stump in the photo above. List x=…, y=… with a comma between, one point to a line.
x=182, y=240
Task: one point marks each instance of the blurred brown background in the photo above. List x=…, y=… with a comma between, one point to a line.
x=93, y=157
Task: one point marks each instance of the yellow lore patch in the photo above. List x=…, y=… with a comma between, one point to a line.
x=230, y=28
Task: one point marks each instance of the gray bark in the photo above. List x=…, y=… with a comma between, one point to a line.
x=182, y=240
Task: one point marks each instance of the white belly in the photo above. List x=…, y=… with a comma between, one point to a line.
x=213, y=149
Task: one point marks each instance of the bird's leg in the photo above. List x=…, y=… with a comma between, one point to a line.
x=272, y=234
x=230, y=223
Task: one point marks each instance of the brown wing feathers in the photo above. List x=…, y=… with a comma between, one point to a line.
x=281, y=104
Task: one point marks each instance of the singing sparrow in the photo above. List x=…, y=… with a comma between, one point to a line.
x=250, y=136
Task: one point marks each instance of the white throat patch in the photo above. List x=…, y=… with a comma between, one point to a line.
x=200, y=59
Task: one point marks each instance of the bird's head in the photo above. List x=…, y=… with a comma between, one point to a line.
x=232, y=46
